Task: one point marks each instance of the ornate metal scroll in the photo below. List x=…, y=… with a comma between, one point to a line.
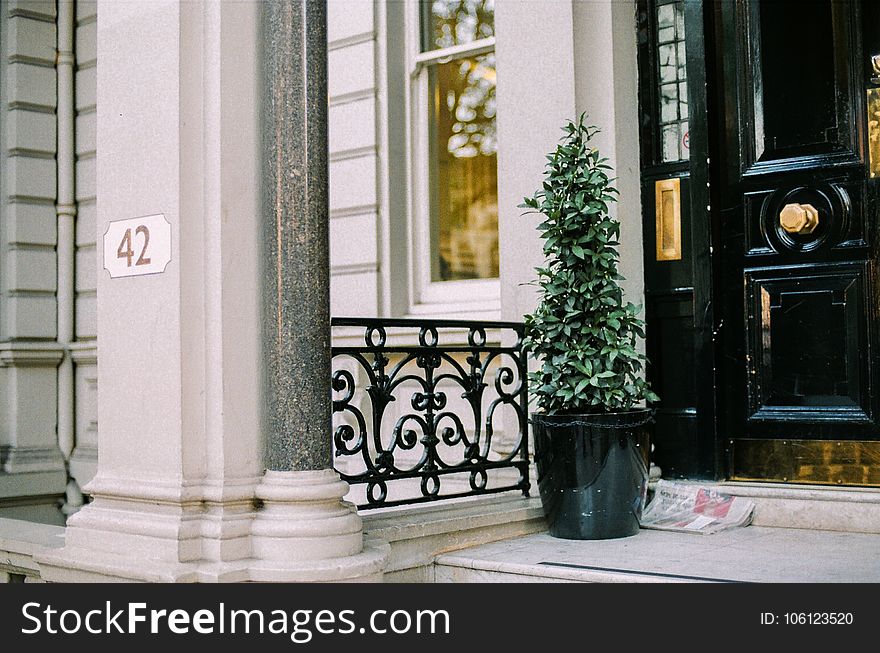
x=429, y=409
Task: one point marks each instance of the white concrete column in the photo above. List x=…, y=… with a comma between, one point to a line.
x=178, y=389
x=580, y=56
x=536, y=95
x=606, y=71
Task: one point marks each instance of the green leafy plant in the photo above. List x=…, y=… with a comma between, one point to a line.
x=582, y=332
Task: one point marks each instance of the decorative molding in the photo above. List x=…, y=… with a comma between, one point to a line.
x=21, y=12
x=488, y=309
x=30, y=293
x=305, y=532
x=16, y=353
x=31, y=61
x=416, y=536
x=353, y=268
x=354, y=39
x=84, y=352
x=30, y=106
x=353, y=96
x=353, y=153
x=354, y=337
x=26, y=153
x=24, y=460
x=34, y=200
x=349, y=211
x=152, y=491
x=189, y=541
x=20, y=246
x=83, y=464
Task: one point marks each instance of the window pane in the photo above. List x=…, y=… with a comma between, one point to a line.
x=668, y=103
x=668, y=63
x=669, y=141
x=665, y=16
x=814, y=75
x=683, y=100
x=671, y=85
x=453, y=22
x=463, y=169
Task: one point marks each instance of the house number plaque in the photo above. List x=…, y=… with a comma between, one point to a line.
x=137, y=246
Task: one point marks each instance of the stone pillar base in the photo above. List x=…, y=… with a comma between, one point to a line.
x=152, y=531
x=368, y=566
x=304, y=531
x=301, y=531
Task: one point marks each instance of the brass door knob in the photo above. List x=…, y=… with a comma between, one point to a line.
x=799, y=218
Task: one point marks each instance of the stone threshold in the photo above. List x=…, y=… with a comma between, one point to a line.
x=813, y=507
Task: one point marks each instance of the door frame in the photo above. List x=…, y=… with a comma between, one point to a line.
x=709, y=459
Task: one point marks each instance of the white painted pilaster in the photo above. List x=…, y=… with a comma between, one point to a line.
x=536, y=95
x=179, y=447
x=555, y=62
x=606, y=71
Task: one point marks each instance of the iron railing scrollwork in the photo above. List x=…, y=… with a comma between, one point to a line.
x=421, y=406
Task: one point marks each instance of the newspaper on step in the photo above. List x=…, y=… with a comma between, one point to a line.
x=694, y=509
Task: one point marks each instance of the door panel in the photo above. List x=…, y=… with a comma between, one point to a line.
x=798, y=80
x=807, y=327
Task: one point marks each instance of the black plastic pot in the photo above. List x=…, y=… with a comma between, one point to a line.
x=593, y=472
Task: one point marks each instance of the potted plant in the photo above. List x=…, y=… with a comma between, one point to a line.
x=591, y=428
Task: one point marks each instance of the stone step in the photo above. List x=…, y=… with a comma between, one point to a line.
x=462, y=569
x=747, y=554
x=815, y=507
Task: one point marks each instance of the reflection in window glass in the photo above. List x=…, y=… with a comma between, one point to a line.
x=671, y=82
x=463, y=169
x=456, y=22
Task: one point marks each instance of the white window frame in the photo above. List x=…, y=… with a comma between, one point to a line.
x=478, y=298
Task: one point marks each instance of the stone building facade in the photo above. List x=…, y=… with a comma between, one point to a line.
x=119, y=110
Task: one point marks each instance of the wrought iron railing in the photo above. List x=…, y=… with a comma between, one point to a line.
x=429, y=409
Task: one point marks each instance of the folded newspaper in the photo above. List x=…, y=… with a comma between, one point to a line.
x=695, y=509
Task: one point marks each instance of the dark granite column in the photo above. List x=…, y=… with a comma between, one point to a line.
x=296, y=261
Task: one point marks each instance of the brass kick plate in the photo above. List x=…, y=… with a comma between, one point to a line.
x=822, y=462
x=874, y=132
x=667, y=193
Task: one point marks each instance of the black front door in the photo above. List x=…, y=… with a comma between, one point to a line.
x=780, y=206
x=796, y=292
